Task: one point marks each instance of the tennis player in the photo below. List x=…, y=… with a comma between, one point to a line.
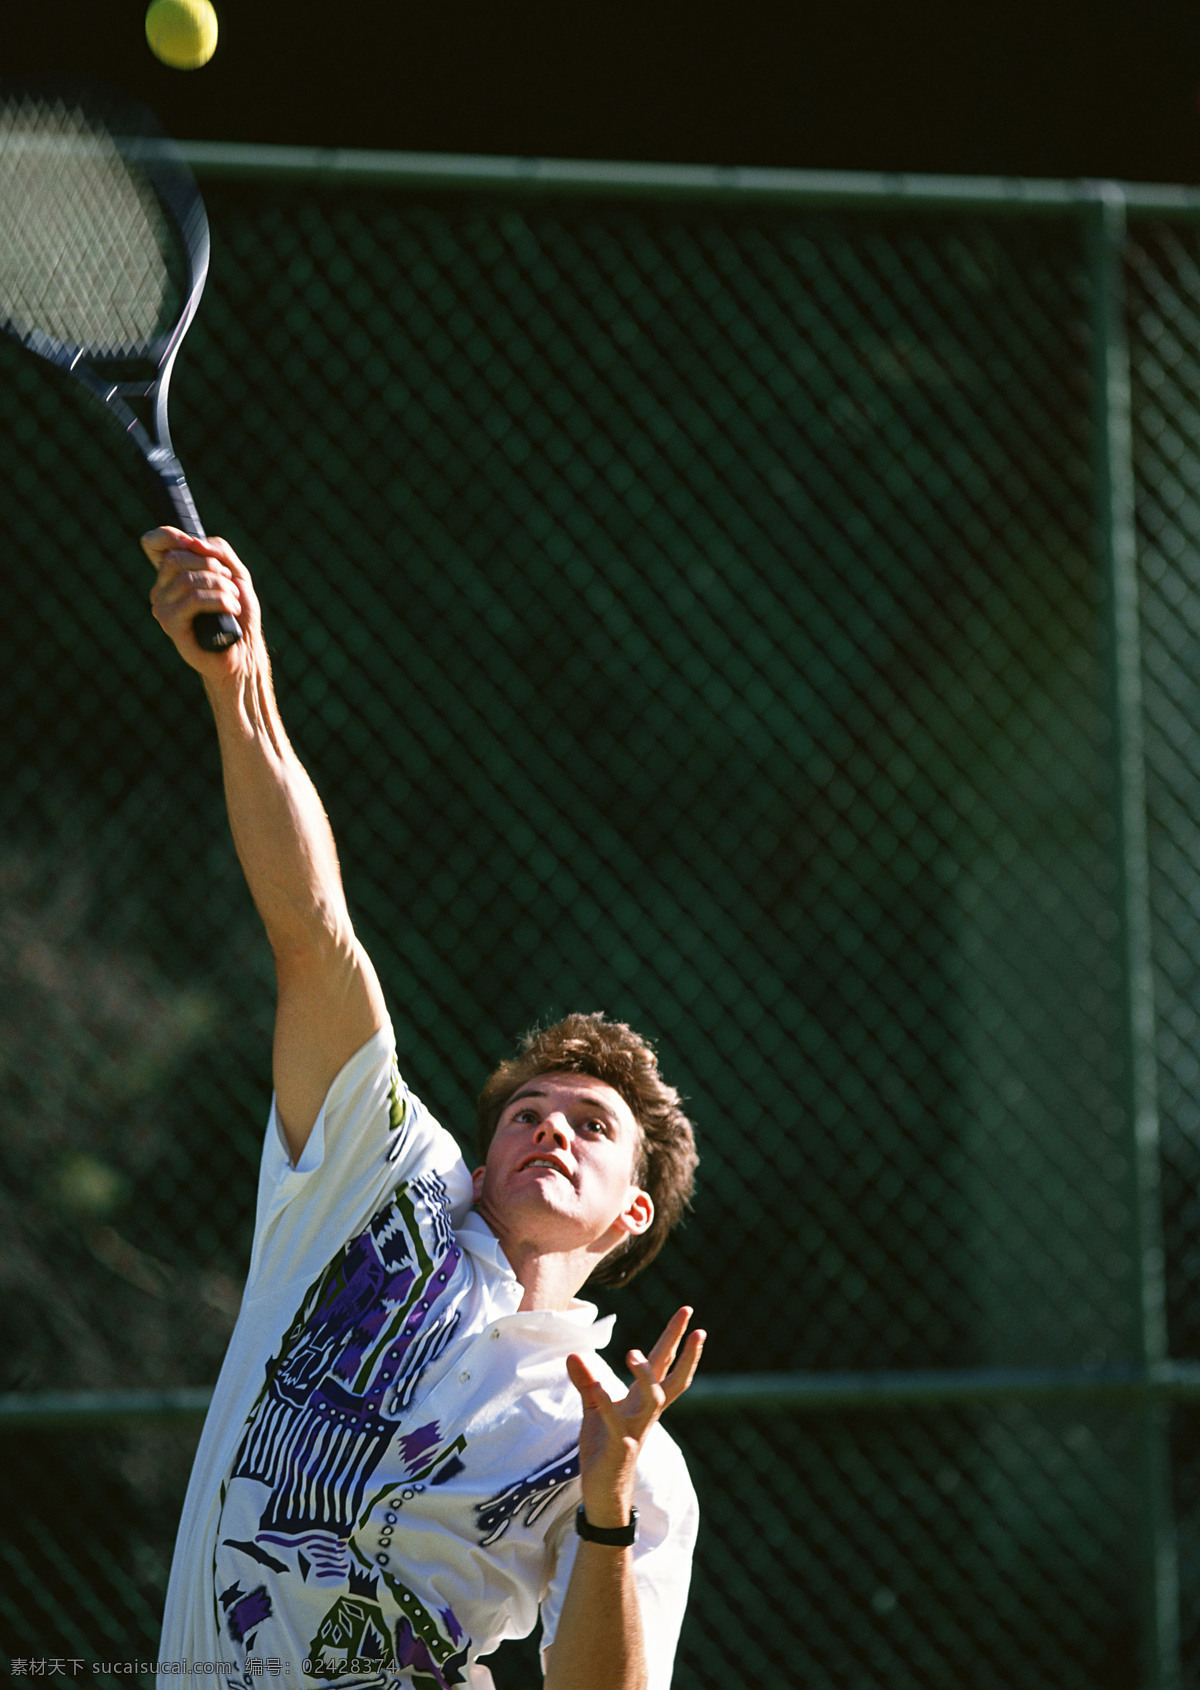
x=414, y=1446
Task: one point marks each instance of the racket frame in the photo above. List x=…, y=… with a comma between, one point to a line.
x=159, y=161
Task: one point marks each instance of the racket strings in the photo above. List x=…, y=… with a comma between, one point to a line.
x=83, y=258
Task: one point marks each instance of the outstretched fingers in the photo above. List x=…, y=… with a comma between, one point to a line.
x=665, y=1374
x=663, y=1353
x=599, y=1409
x=659, y=1379
x=676, y=1375
x=684, y=1370
x=586, y=1383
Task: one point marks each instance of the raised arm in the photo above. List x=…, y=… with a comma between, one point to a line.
x=329, y=999
x=599, y=1643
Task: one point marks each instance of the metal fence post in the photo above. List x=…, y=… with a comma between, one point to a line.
x=1117, y=540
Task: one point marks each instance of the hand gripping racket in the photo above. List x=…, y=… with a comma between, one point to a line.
x=103, y=255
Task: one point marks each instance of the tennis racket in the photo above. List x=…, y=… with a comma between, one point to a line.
x=103, y=254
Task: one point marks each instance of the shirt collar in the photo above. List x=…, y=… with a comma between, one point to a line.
x=580, y=1319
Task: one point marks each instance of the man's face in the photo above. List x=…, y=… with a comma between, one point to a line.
x=560, y=1167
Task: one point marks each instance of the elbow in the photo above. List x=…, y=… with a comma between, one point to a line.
x=320, y=944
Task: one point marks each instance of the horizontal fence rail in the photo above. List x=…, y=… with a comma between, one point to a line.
x=791, y=1393
x=677, y=183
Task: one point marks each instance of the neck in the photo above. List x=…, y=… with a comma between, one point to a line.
x=550, y=1279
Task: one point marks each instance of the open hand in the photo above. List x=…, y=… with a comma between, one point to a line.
x=613, y=1433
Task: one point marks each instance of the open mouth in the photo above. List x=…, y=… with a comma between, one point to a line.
x=546, y=1162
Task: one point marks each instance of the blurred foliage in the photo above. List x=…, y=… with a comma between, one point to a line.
x=92, y=1043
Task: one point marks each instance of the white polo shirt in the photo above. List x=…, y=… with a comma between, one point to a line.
x=386, y=1483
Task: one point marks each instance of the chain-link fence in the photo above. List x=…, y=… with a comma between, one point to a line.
x=712, y=604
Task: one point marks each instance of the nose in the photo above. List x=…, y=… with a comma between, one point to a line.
x=553, y=1129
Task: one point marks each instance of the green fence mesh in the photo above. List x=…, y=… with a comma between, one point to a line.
x=693, y=610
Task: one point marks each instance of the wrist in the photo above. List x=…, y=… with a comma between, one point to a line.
x=608, y=1507
x=623, y=1536
x=225, y=687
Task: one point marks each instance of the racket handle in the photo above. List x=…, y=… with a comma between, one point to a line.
x=213, y=630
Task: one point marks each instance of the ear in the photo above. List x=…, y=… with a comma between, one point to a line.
x=638, y=1216
x=477, y=1182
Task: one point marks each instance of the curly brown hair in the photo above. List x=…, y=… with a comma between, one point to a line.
x=612, y=1052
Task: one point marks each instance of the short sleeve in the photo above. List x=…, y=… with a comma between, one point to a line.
x=668, y=1519
x=371, y=1135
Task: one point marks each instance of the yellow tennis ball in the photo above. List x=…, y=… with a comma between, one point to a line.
x=182, y=33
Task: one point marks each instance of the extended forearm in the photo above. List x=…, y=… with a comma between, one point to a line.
x=598, y=1644
x=329, y=1000
x=280, y=830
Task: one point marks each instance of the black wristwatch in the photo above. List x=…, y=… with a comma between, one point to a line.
x=617, y=1537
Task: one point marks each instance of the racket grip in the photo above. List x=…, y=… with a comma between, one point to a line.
x=213, y=630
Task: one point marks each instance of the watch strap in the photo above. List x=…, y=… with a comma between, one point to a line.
x=616, y=1537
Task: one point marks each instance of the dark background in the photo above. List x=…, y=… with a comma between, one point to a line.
x=1028, y=87
x=883, y=969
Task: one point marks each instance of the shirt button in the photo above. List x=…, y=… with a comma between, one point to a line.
x=464, y=1378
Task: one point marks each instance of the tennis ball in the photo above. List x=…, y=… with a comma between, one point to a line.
x=182, y=33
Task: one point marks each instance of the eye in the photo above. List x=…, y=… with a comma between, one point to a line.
x=598, y=1127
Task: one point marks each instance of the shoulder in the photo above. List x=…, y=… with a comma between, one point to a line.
x=370, y=1107
x=372, y=1137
